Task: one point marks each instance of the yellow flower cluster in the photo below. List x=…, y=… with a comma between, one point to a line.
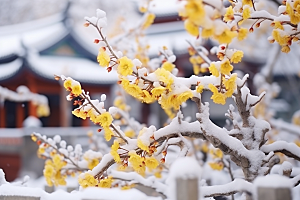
x=175, y=100
x=165, y=77
x=106, y=182
x=103, y=58
x=135, y=91
x=73, y=86
x=105, y=120
x=114, y=151
x=43, y=110
x=52, y=171
x=93, y=163
x=242, y=33
x=149, y=20
x=119, y=103
x=168, y=66
x=230, y=85
x=246, y=13
x=217, y=97
x=139, y=163
x=87, y=181
x=216, y=165
x=293, y=11
x=282, y=39
x=237, y=57
x=194, y=11
x=216, y=153
x=196, y=62
x=229, y=15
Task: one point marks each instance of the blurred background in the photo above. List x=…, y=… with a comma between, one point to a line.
x=40, y=38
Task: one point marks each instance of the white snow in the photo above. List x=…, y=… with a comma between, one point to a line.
x=78, y=68
x=9, y=69
x=32, y=121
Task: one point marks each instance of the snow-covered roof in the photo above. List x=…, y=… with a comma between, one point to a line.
x=165, y=8
x=36, y=34
x=9, y=69
x=79, y=69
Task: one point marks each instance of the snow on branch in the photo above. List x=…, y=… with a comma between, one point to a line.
x=288, y=149
x=233, y=187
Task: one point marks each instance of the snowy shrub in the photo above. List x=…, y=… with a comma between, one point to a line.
x=240, y=152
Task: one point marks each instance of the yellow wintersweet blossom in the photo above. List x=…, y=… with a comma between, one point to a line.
x=41, y=150
x=183, y=97
x=213, y=70
x=125, y=66
x=194, y=10
x=134, y=159
x=168, y=66
x=216, y=165
x=93, y=163
x=105, y=119
x=226, y=36
x=116, y=156
x=217, y=97
x=157, y=92
x=140, y=169
x=142, y=145
x=229, y=15
x=151, y=163
x=119, y=103
x=80, y=113
x=134, y=90
x=207, y=32
x=285, y=49
x=242, y=33
x=48, y=171
x=237, y=57
x=164, y=76
x=146, y=97
x=216, y=153
x=149, y=20
x=108, y=133
x=200, y=88
x=76, y=89
x=191, y=28
x=281, y=39
x=42, y=111
x=68, y=83
x=247, y=2
x=226, y=67
x=294, y=16
x=115, y=146
x=246, y=13
x=230, y=85
x=129, y=133
x=127, y=187
x=103, y=58
x=278, y=25
x=87, y=181
x=157, y=174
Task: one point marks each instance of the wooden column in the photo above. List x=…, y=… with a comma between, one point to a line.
x=2, y=116
x=19, y=115
x=33, y=89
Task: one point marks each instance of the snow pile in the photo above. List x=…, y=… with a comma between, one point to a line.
x=32, y=121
